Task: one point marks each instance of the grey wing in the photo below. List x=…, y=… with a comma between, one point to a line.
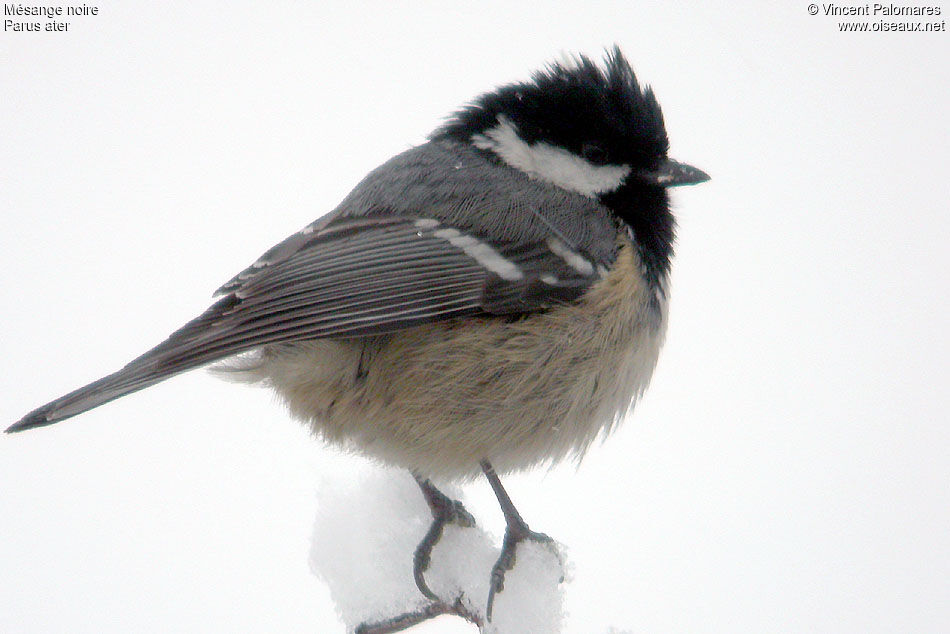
x=374, y=275
x=349, y=277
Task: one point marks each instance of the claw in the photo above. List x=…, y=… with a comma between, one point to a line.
x=516, y=532
x=444, y=511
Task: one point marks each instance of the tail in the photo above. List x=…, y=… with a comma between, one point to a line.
x=109, y=388
x=189, y=347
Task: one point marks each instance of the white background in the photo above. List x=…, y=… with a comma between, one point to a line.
x=789, y=469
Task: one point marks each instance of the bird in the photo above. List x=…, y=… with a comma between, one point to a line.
x=488, y=301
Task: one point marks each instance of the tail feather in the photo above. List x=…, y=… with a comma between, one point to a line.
x=187, y=348
x=129, y=379
x=78, y=401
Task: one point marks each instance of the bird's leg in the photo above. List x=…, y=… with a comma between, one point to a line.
x=445, y=510
x=516, y=532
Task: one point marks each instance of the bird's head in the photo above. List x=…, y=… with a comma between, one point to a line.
x=577, y=125
x=587, y=128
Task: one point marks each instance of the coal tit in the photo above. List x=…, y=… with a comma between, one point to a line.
x=494, y=298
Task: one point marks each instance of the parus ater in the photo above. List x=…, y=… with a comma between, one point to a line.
x=494, y=298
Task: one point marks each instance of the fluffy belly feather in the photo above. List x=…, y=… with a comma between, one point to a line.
x=438, y=398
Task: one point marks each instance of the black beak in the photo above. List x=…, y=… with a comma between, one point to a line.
x=672, y=173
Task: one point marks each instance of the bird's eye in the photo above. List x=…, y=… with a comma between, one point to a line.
x=594, y=153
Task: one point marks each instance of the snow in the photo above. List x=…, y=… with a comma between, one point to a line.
x=366, y=531
x=532, y=600
x=363, y=539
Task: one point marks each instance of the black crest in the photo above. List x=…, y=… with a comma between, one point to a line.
x=597, y=112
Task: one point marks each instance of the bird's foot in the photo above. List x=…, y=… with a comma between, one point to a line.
x=516, y=532
x=445, y=510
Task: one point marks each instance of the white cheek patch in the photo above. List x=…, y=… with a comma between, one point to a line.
x=550, y=163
